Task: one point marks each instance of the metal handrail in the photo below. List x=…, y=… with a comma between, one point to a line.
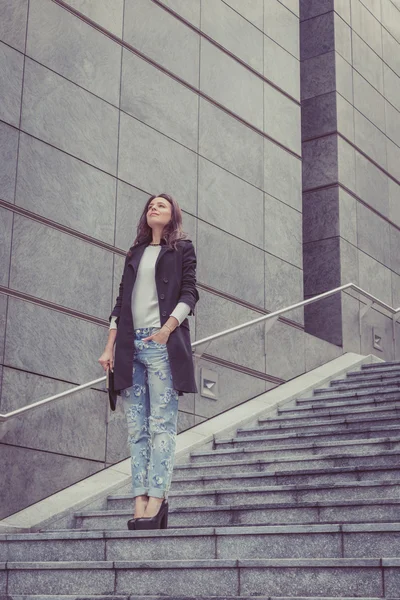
x=272, y=317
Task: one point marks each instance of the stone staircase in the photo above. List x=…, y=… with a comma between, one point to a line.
x=304, y=505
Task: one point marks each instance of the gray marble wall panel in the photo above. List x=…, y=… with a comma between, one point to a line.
x=107, y=14
x=366, y=26
x=345, y=117
x=11, y=73
x=373, y=234
x=376, y=323
x=293, y=5
x=318, y=75
x=391, y=85
x=374, y=7
x=244, y=347
x=282, y=25
x=230, y=203
x=367, y=63
x=394, y=262
x=13, y=23
x=233, y=32
x=391, y=51
x=318, y=352
x=29, y=475
x=285, y=351
x=313, y=8
x=351, y=323
x=66, y=44
x=392, y=123
x=390, y=18
x=371, y=139
x=130, y=205
x=372, y=184
x=163, y=38
x=283, y=287
x=323, y=318
x=153, y=162
x=344, y=78
x=188, y=10
x=252, y=11
x=6, y=221
x=342, y=35
x=321, y=214
x=3, y=315
x=282, y=68
x=394, y=202
x=346, y=164
x=44, y=259
x=349, y=268
x=63, y=114
x=159, y=101
x=282, y=175
x=230, y=144
x=50, y=343
x=231, y=272
x=283, y=231
x=8, y=161
x=75, y=425
x=342, y=7
x=317, y=35
x=231, y=84
x=64, y=189
x=393, y=159
x=375, y=278
x=321, y=266
x=369, y=101
x=318, y=115
x=395, y=289
x=235, y=387
x=347, y=217
x=320, y=162
x=282, y=118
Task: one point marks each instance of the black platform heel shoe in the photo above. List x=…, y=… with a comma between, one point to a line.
x=132, y=524
x=159, y=521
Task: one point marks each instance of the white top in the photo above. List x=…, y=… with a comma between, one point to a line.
x=145, y=307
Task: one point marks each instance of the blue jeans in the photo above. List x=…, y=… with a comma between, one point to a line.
x=151, y=409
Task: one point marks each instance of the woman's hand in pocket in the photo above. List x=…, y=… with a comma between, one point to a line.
x=161, y=336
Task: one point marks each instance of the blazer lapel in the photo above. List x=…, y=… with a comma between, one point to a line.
x=137, y=253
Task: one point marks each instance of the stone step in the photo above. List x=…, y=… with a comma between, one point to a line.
x=290, y=451
x=337, y=577
x=385, y=369
x=355, y=376
x=340, y=490
x=316, y=417
x=284, y=438
x=390, y=393
x=358, y=388
x=348, y=407
x=345, y=385
x=163, y=597
x=366, y=540
x=297, y=477
x=334, y=425
x=277, y=513
x=377, y=366
x=381, y=459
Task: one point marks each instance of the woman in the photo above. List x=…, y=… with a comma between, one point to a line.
x=153, y=362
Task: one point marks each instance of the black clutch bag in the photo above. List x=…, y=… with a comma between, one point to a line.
x=112, y=394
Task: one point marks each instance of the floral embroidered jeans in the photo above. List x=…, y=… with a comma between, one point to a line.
x=151, y=409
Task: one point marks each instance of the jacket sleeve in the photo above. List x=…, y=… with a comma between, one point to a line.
x=118, y=303
x=189, y=292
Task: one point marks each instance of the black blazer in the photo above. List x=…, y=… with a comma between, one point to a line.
x=175, y=274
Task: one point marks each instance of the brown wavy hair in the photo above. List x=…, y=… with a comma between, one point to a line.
x=172, y=231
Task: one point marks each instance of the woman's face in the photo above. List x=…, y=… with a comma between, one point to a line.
x=159, y=212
